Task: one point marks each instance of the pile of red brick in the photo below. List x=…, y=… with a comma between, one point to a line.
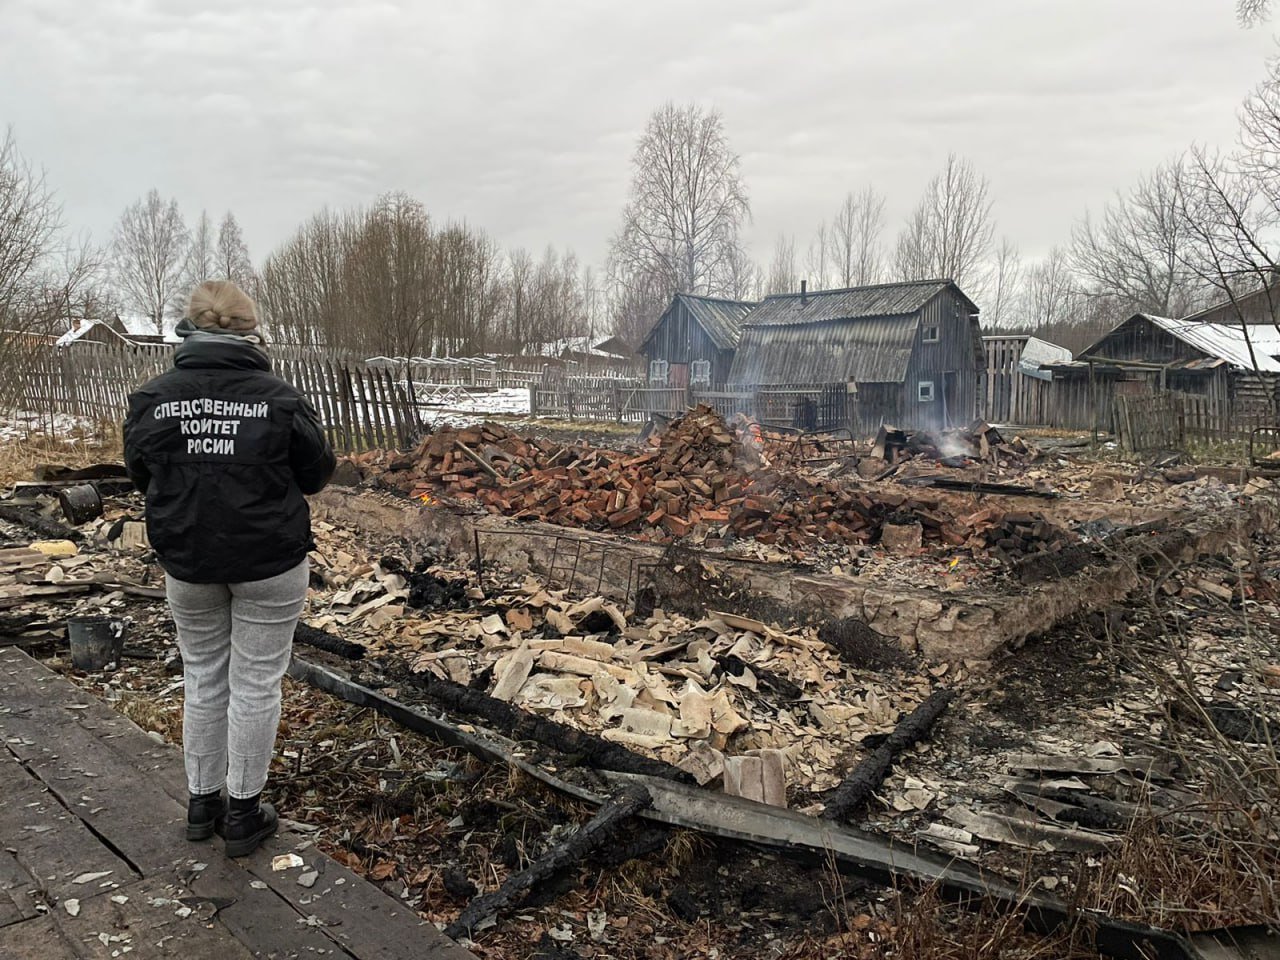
x=700, y=476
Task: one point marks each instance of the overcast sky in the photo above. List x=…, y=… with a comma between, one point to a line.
x=521, y=116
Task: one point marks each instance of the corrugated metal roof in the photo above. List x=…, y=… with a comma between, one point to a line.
x=1036, y=352
x=879, y=300
x=875, y=350
x=722, y=319
x=1227, y=341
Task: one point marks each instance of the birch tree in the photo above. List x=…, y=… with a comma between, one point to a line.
x=232, y=255
x=1005, y=289
x=149, y=250
x=817, y=258
x=201, y=254
x=1053, y=295
x=949, y=234
x=687, y=204
x=857, y=255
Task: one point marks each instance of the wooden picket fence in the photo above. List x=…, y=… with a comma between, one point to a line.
x=1169, y=420
x=604, y=398
x=361, y=406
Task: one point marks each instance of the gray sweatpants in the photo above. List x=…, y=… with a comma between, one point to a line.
x=235, y=640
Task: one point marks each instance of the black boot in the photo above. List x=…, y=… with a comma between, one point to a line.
x=249, y=822
x=205, y=812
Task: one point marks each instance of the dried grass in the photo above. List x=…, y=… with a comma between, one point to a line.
x=20, y=457
x=1218, y=863
x=151, y=716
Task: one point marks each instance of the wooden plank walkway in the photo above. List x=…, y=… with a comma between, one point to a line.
x=94, y=864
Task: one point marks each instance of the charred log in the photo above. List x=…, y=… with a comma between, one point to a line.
x=870, y=773
x=587, y=749
x=38, y=523
x=597, y=831
x=328, y=642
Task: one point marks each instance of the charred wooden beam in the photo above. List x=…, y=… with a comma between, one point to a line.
x=478, y=460
x=588, y=749
x=870, y=773
x=328, y=642
x=594, y=833
x=38, y=523
x=971, y=486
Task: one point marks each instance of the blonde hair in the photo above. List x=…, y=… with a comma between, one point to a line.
x=221, y=305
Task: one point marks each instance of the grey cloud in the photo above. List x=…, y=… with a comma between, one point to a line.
x=521, y=117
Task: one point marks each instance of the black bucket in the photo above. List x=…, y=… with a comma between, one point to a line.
x=80, y=504
x=95, y=641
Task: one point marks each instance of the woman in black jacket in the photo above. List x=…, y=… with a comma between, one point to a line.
x=225, y=452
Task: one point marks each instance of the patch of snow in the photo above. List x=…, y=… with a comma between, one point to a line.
x=466, y=408
x=74, y=334
x=24, y=424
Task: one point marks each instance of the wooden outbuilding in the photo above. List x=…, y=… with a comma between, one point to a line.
x=909, y=354
x=1234, y=366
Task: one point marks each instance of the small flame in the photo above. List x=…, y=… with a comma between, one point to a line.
x=428, y=499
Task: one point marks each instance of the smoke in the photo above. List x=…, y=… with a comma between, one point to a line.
x=950, y=445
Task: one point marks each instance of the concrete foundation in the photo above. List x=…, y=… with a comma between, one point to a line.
x=939, y=625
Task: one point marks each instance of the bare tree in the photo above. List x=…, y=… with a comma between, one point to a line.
x=520, y=269
x=1005, y=291
x=302, y=282
x=1232, y=211
x=76, y=286
x=856, y=252
x=816, y=263
x=201, y=254
x=1250, y=13
x=46, y=281
x=385, y=278
x=782, y=277
x=232, y=260
x=30, y=220
x=149, y=251
x=687, y=203
x=1053, y=296
x=744, y=280
x=949, y=233
x=1136, y=253
x=636, y=301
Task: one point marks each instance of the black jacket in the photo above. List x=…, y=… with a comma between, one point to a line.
x=224, y=451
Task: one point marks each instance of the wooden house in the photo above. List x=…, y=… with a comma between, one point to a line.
x=111, y=332
x=583, y=356
x=909, y=354
x=1258, y=307
x=1235, y=366
x=693, y=342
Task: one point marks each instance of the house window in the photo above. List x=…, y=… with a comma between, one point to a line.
x=658, y=371
x=700, y=371
x=924, y=391
x=931, y=334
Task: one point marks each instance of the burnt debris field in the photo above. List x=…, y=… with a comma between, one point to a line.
x=711, y=692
